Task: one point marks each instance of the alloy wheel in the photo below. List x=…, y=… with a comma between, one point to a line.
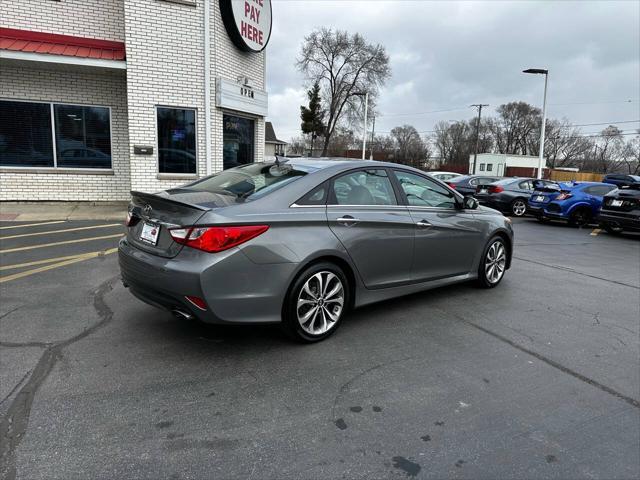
x=519, y=208
x=495, y=262
x=320, y=303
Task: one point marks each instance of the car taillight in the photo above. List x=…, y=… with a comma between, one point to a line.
x=216, y=239
x=131, y=220
x=495, y=189
x=197, y=301
x=563, y=196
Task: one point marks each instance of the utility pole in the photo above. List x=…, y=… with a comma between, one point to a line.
x=373, y=129
x=475, y=153
x=364, y=133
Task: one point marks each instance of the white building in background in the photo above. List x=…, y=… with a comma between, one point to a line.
x=499, y=165
x=99, y=97
x=273, y=146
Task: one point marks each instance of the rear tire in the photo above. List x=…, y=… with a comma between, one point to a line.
x=316, y=303
x=542, y=219
x=493, y=263
x=580, y=217
x=519, y=207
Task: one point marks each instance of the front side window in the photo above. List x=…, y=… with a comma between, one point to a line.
x=176, y=140
x=25, y=134
x=83, y=136
x=364, y=187
x=422, y=192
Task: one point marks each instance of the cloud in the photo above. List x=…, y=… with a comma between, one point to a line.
x=450, y=54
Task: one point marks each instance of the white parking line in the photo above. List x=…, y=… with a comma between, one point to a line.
x=595, y=232
x=79, y=240
x=31, y=225
x=61, y=231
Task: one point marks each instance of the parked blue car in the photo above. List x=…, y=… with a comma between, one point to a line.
x=575, y=202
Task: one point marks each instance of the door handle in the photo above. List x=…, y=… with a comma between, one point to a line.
x=347, y=220
x=423, y=224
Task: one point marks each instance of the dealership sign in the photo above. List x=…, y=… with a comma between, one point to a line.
x=248, y=23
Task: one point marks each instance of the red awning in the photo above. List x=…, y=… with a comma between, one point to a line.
x=53, y=44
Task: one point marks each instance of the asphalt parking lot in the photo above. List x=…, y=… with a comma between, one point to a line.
x=539, y=378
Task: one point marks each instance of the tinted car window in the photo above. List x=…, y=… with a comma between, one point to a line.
x=317, y=196
x=598, y=190
x=248, y=181
x=526, y=185
x=364, y=187
x=422, y=192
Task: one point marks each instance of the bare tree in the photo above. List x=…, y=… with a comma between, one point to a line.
x=631, y=155
x=564, y=144
x=411, y=149
x=343, y=65
x=453, y=142
x=609, y=149
x=514, y=130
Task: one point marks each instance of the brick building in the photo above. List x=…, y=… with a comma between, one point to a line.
x=99, y=97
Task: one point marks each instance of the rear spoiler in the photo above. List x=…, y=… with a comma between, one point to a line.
x=546, y=187
x=156, y=197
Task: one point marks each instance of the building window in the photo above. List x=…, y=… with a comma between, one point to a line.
x=83, y=136
x=25, y=134
x=489, y=167
x=238, y=141
x=176, y=140
x=482, y=167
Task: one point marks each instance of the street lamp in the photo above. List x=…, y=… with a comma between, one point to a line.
x=366, y=108
x=541, y=71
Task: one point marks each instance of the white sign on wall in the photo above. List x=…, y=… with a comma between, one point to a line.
x=248, y=23
x=241, y=98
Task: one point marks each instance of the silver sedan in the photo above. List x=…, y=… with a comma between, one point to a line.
x=301, y=242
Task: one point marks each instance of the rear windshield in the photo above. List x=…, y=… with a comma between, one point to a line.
x=250, y=181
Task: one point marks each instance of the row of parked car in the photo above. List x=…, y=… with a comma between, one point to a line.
x=613, y=203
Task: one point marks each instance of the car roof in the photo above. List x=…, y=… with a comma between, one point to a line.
x=339, y=163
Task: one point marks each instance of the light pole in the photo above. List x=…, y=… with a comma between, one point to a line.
x=366, y=108
x=540, y=71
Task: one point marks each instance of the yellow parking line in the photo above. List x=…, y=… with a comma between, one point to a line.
x=32, y=225
x=61, y=231
x=48, y=260
x=66, y=242
x=595, y=232
x=82, y=258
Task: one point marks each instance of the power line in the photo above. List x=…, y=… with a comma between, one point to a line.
x=603, y=123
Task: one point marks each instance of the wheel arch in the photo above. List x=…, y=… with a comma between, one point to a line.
x=508, y=242
x=336, y=259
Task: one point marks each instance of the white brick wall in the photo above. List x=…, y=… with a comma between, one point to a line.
x=89, y=87
x=103, y=19
x=165, y=67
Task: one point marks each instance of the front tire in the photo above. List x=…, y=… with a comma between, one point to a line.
x=519, y=207
x=612, y=230
x=493, y=263
x=316, y=303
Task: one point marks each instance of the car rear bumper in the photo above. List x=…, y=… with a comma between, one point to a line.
x=626, y=221
x=235, y=289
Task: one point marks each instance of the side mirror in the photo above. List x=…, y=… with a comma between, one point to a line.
x=470, y=203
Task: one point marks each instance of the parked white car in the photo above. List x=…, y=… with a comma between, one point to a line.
x=443, y=176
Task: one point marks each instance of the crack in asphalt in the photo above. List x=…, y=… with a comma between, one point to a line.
x=25, y=344
x=630, y=400
x=14, y=424
x=567, y=269
x=9, y=312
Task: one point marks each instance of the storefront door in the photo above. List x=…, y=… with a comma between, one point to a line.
x=238, y=141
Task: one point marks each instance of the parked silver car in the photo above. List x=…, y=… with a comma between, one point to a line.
x=303, y=241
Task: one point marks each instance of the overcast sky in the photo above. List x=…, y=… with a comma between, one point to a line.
x=447, y=55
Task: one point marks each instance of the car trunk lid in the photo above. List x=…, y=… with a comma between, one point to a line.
x=153, y=214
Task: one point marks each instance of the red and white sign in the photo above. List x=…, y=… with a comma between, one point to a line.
x=248, y=23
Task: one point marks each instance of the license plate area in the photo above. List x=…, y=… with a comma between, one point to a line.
x=540, y=198
x=149, y=233
x=616, y=203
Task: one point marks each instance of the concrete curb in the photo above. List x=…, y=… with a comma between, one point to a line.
x=46, y=211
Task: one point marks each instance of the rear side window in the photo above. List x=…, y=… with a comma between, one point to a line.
x=317, y=196
x=363, y=187
x=526, y=185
